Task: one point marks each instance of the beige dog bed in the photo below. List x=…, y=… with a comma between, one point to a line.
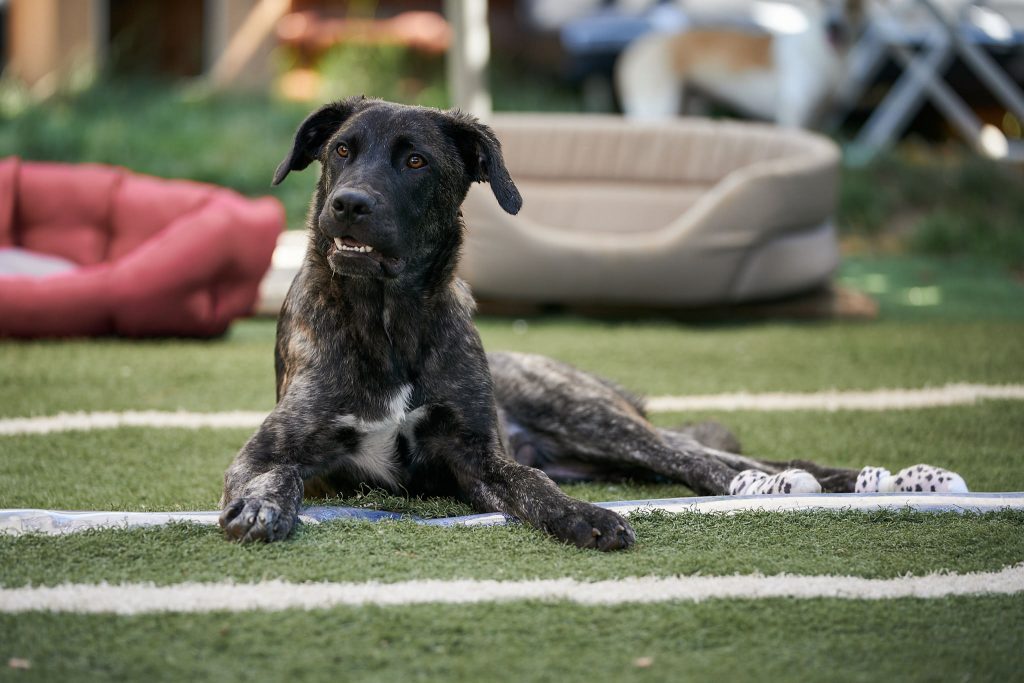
x=685, y=212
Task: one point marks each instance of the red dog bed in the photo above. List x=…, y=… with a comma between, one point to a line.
x=144, y=256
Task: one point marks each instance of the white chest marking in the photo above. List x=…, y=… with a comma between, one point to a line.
x=376, y=458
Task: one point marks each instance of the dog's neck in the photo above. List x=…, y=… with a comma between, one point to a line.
x=385, y=316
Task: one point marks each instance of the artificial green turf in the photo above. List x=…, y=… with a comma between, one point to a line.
x=672, y=359
x=976, y=639
x=653, y=357
x=133, y=468
x=881, y=544
x=915, y=288
x=119, y=469
x=45, y=377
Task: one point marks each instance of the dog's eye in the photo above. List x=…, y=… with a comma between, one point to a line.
x=415, y=161
x=343, y=150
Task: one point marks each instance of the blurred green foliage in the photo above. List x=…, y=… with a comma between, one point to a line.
x=939, y=204
x=389, y=72
x=174, y=132
x=924, y=201
x=233, y=139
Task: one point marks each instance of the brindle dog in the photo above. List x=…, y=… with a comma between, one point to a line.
x=381, y=376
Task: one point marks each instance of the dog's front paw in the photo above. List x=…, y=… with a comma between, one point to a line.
x=589, y=526
x=253, y=519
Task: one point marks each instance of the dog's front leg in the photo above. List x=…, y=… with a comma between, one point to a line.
x=263, y=487
x=492, y=482
x=530, y=495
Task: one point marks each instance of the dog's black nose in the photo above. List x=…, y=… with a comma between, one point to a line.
x=351, y=204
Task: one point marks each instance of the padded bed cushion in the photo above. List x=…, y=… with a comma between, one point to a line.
x=152, y=256
x=685, y=212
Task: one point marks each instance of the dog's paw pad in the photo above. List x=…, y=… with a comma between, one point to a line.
x=589, y=526
x=923, y=479
x=754, y=482
x=870, y=479
x=250, y=519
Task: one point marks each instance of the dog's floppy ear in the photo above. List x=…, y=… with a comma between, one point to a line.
x=481, y=155
x=313, y=133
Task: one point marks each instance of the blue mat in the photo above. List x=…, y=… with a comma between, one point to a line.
x=19, y=521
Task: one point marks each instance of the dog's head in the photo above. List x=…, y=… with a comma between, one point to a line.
x=392, y=179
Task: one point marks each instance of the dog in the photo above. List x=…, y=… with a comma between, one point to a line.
x=382, y=379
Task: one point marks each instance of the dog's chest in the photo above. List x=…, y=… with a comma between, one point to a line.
x=375, y=455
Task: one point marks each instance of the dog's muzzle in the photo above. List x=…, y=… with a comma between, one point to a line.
x=349, y=255
x=353, y=221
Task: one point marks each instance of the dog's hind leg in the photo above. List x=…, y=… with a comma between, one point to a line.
x=573, y=424
x=573, y=418
x=831, y=479
x=710, y=433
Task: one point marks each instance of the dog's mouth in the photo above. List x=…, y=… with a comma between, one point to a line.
x=350, y=247
x=354, y=246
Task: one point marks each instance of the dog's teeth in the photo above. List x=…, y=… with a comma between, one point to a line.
x=364, y=249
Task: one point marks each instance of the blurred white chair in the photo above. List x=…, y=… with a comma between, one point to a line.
x=781, y=66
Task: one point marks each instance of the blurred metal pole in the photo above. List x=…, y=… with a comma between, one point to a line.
x=922, y=79
x=51, y=42
x=239, y=40
x=981, y=63
x=951, y=105
x=468, y=56
x=904, y=98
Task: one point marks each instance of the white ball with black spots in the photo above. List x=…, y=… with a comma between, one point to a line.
x=742, y=481
x=870, y=478
x=755, y=482
x=924, y=479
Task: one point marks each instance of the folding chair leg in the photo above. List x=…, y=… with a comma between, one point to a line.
x=903, y=101
x=1008, y=92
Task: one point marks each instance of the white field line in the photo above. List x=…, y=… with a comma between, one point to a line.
x=277, y=595
x=880, y=399
x=68, y=422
